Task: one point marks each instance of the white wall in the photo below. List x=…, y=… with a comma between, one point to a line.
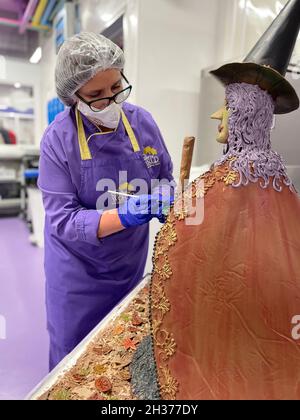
x=97, y=15
x=242, y=22
x=176, y=40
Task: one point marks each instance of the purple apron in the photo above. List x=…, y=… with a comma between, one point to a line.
x=85, y=276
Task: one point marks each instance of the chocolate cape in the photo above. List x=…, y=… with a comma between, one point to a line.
x=224, y=294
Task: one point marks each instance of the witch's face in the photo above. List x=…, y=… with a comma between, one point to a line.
x=223, y=116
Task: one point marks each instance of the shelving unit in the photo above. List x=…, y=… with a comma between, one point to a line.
x=21, y=123
x=10, y=203
x=16, y=115
x=14, y=160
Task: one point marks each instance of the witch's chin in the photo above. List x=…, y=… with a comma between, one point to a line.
x=222, y=140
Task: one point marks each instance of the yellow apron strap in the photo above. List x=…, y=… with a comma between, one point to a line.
x=83, y=146
x=133, y=140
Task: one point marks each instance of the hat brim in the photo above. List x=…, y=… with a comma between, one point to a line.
x=283, y=93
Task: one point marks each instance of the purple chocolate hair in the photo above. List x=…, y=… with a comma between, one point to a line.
x=250, y=123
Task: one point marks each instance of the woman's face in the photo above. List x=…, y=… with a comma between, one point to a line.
x=105, y=84
x=223, y=116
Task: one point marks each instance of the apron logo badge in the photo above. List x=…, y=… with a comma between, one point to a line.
x=150, y=157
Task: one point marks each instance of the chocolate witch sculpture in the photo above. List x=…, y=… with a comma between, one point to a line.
x=224, y=292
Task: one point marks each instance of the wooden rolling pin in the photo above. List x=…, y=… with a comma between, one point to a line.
x=186, y=161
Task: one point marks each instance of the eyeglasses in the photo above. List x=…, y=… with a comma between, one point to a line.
x=98, y=105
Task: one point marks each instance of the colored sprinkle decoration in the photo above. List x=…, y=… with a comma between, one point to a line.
x=102, y=372
x=103, y=384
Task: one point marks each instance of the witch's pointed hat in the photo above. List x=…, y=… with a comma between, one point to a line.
x=267, y=63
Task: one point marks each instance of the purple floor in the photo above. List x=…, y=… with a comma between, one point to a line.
x=23, y=335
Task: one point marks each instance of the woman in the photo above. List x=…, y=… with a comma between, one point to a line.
x=94, y=255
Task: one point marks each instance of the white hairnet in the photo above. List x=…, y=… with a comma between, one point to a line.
x=80, y=58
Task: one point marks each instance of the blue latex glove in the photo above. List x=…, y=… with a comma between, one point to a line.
x=137, y=211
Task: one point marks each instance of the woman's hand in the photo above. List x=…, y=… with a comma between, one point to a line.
x=136, y=211
x=140, y=210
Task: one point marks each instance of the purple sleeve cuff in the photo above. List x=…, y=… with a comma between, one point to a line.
x=87, y=226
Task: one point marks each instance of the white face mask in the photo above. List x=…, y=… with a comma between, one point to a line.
x=109, y=117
